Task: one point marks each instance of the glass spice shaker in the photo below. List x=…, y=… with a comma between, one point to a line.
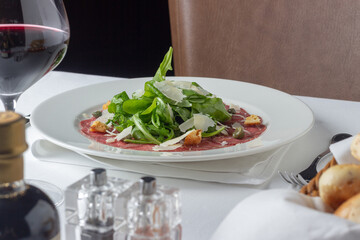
x=96, y=209
x=150, y=213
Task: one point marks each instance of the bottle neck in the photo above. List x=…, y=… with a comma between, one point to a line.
x=11, y=169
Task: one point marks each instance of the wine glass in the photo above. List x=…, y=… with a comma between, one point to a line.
x=34, y=36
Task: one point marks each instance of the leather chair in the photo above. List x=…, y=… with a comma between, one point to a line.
x=303, y=47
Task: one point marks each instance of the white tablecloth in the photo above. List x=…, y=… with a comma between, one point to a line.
x=204, y=204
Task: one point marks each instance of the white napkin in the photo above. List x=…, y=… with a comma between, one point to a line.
x=254, y=170
x=341, y=152
x=287, y=214
x=284, y=214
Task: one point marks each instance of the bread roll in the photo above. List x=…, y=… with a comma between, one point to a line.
x=355, y=147
x=350, y=209
x=339, y=183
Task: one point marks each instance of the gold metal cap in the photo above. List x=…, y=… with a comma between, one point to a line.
x=12, y=135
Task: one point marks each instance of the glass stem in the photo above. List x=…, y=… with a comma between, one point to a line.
x=9, y=101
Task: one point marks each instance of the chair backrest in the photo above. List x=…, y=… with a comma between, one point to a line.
x=303, y=47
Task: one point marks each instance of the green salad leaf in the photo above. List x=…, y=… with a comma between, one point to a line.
x=164, y=66
x=133, y=106
x=213, y=107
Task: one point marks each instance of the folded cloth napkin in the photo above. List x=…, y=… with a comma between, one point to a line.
x=341, y=152
x=253, y=170
x=284, y=214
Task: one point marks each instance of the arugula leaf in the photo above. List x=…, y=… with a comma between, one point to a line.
x=162, y=133
x=137, y=134
x=214, y=107
x=210, y=134
x=160, y=75
x=133, y=106
x=183, y=113
x=150, y=108
x=164, y=66
x=164, y=111
x=184, y=103
x=116, y=102
x=139, y=124
x=206, y=93
x=138, y=141
x=120, y=122
x=119, y=98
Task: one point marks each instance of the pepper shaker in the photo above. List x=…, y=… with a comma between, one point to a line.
x=150, y=213
x=96, y=209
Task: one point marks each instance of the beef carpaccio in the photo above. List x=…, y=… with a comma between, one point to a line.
x=215, y=142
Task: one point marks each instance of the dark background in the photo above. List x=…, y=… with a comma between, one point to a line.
x=122, y=38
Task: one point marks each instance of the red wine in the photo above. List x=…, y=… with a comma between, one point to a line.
x=27, y=53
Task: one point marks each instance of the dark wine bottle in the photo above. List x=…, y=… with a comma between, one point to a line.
x=26, y=211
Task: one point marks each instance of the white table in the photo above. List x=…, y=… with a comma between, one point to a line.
x=204, y=204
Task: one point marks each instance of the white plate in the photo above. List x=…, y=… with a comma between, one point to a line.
x=286, y=117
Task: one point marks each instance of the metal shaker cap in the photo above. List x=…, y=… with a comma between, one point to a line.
x=148, y=185
x=98, y=177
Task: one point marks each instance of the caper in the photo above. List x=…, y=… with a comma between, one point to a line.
x=231, y=110
x=239, y=133
x=97, y=114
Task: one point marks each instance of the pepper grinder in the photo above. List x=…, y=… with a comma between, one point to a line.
x=96, y=203
x=150, y=213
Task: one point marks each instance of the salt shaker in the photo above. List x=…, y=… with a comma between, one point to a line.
x=96, y=209
x=153, y=213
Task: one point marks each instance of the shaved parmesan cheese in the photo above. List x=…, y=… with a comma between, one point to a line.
x=173, y=89
x=223, y=143
x=175, y=140
x=199, y=121
x=182, y=84
x=169, y=90
x=110, y=140
x=110, y=133
x=126, y=132
x=105, y=116
x=187, y=125
x=203, y=122
x=166, y=148
x=190, y=86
